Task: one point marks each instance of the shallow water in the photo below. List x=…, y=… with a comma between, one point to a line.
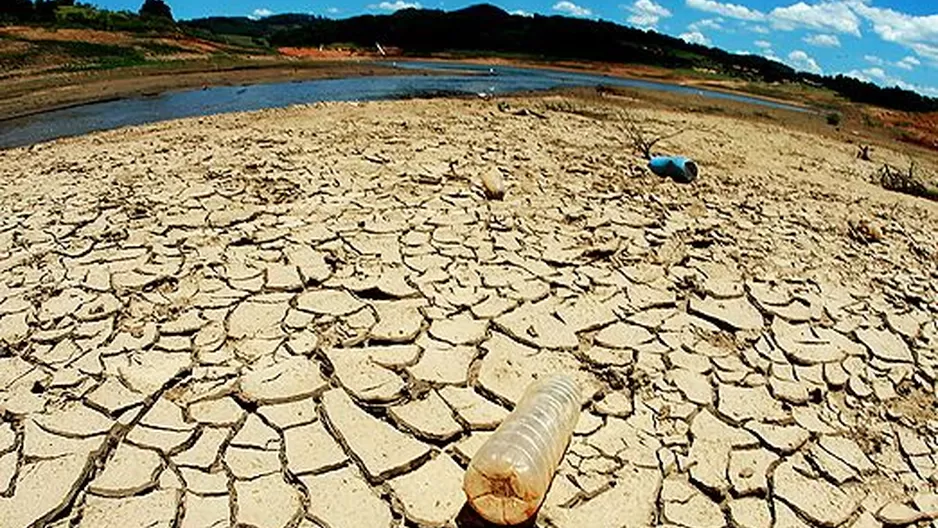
x=452, y=79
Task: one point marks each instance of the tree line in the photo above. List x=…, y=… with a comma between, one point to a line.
x=156, y=12
x=489, y=29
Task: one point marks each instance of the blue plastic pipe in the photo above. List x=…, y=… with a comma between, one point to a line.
x=678, y=168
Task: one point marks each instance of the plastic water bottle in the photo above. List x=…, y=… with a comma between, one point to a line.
x=509, y=476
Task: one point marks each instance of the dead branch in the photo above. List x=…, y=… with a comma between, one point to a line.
x=641, y=139
x=906, y=182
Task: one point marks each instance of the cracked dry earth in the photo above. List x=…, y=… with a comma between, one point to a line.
x=312, y=317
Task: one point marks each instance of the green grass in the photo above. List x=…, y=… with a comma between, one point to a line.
x=84, y=50
x=90, y=55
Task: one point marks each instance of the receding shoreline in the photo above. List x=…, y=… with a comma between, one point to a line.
x=40, y=94
x=43, y=94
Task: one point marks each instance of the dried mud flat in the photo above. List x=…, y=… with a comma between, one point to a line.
x=312, y=317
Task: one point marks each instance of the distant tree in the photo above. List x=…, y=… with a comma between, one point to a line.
x=156, y=8
x=18, y=10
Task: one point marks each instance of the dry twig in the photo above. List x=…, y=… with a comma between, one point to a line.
x=641, y=139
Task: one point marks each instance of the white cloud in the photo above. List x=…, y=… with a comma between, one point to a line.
x=646, y=13
x=873, y=59
x=833, y=16
x=716, y=24
x=397, y=5
x=260, y=13
x=695, y=37
x=926, y=50
x=728, y=10
x=908, y=63
x=521, y=12
x=802, y=61
x=764, y=44
x=332, y=10
x=823, y=40
x=919, y=33
x=756, y=28
x=572, y=9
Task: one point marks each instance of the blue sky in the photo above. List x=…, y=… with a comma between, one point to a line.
x=889, y=42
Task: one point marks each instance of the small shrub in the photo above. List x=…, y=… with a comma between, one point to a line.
x=833, y=119
x=640, y=138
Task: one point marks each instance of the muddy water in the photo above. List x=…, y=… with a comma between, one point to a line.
x=453, y=79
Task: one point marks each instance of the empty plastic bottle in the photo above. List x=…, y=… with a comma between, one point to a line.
x=509, y=476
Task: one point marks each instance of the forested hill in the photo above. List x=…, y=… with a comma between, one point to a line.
x=486, y=28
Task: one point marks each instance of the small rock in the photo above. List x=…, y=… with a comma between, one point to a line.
x=493, y=184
